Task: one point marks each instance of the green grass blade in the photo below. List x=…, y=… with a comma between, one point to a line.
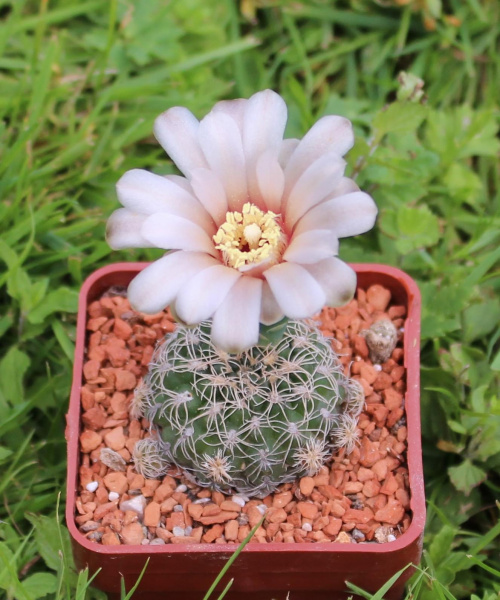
x=136, y=584
x=226, y=589
x=379, y=595
x=56, y=16
x=232, y=559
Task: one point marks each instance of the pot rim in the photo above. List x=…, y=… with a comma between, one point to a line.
x=412, y=408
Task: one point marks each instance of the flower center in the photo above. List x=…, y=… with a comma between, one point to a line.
x=250, y=237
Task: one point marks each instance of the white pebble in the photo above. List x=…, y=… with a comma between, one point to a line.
x=145, y=542
x=178, y=531
x=177, y=508
x=262, y=509
x=156, y=542
x=238, y=500
x=201, y=501
x=136, y=504
x=391, y=538
x=89, y=526
x=181, y=488
x=92, y=486
x=188, y=530
x=307, y=527
x=377, y=367
x=112, y=496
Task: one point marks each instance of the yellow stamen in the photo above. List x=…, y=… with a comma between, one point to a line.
x=250, y=237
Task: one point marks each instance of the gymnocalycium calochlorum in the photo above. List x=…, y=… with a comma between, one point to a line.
x=246, y=393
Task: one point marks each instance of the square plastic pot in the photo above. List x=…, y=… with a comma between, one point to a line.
x=262, y=571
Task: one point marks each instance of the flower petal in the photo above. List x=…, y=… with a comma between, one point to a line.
x=157, y=285
x=210, y=192
x=177, y=131
x=297, y=292
x=235, y=324
x=270, y=312
x=336, y=278
x=344, y=216
x=287, y=149
x=200, y=297
x=220, y=140
x=147, y=193
x=270, y=181
x=171, y=232
x=181, y=182
x=123, y=230
x=232, y=108
x=263, y=126
x=311, y=246
x=344, y=186
x=317, y=181
x=329, y=134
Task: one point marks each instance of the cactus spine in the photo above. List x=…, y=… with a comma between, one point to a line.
x=247, y=422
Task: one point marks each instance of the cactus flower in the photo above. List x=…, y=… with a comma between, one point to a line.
x=252, y=228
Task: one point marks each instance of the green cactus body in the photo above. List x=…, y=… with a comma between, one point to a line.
x=247, y=422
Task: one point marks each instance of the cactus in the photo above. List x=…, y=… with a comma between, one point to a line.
x=249, y=421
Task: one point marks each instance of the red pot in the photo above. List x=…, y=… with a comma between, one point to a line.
x=262, y=571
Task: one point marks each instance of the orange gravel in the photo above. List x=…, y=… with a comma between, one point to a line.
x=363, y=497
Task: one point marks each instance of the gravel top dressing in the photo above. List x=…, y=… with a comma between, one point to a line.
x=356, y=498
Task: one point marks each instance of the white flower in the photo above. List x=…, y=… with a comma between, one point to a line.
x=252, y=229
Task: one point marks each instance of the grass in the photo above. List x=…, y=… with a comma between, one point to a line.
x=82, y=82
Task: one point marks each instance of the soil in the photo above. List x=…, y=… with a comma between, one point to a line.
x=359, y=498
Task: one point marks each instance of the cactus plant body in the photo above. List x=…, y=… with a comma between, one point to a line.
x=249, y=421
